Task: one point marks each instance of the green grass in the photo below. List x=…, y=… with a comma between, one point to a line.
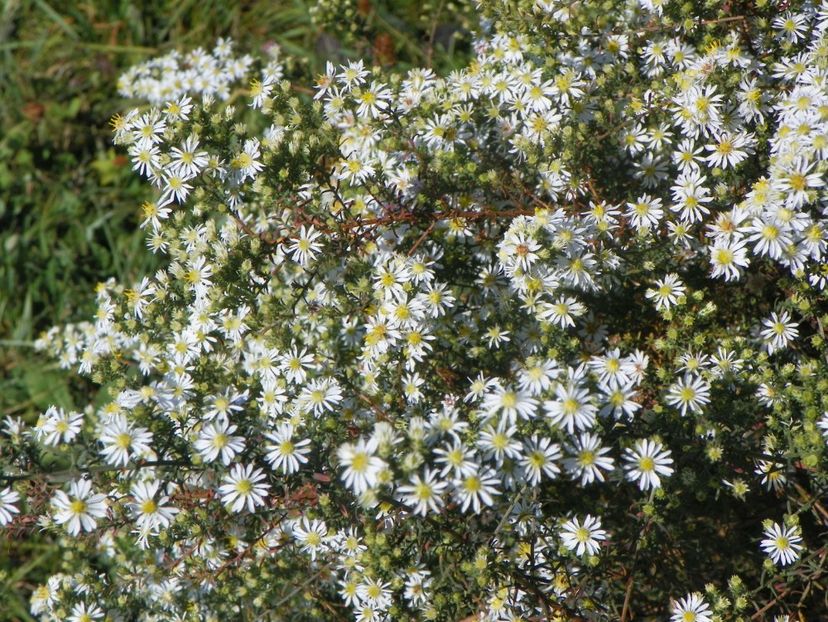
x=69, y=201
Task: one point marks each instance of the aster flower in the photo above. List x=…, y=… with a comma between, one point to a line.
x=779, y=331
x=216, y=440
x=583, y=536
x=562, y=312
x=305, y=247
x=285, y=453
x=81, y=612
x=646, y=462
x=424, y=493
x=772, y=474
x=645, y=212
x=456, y=458
x=361, y=466
x=823, y=424
x=174, y=188
x=60, y=426
x=728, y=257
x=728, y=150
x=782, y=544
x=691, y=608
x=247, y=163
x=690, y=393
x=375, y=592
x=572, y=409
x=244, y=486
x=540, y=456
x=80, y=508
x=587, y=459
x=188, y=160
x=150, y=512
x=8, y=499
x=509, y=404
x=312, y=535
x=476, y=489
x=611, y=368
x=666, y=292
x=500, y=443
x=619, y=401
x=123, y=442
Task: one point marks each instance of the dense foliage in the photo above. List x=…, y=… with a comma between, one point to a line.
x=69, y=201
x=541, y=338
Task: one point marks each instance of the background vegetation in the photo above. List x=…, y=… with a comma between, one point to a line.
x=69, y=202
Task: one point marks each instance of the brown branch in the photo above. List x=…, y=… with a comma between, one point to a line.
x=760, y=613
x=625, y=609
x=421, y=238
x=721, y=20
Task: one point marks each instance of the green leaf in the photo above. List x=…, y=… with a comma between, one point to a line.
x=47, y=388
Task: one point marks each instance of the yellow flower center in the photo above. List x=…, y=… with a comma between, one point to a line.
x=77, y=506
x=359, y=462
x=570, y=406
x=472, y=484
x=509, y=399
x=422, y=491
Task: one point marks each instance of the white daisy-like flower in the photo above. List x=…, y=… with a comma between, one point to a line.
x=823, y=424
x=123, y=442
x=216, y=440
x=540, y=457
x=60, y=426
x=305, y=247
x=583, y=536
x=779, y=331
x=587, y=459
x=82, y=612
x=8, y=499
x=80, y=508
x=476, y=489
x=782, y=544
x=573, y=409
x=646, y=461
x=691, y=608
x=285, y=453
x=691, y=393
x=361, y=466
x=510, y=404
x=424, y=493
x=151, y=512
x=312, y=535
x=244, y=486
x=666, y=292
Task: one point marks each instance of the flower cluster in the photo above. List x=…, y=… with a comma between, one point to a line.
x=500, y=344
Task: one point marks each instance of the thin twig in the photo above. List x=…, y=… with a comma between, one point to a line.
x=421, y=238
x=625, y=610
x=760, y=613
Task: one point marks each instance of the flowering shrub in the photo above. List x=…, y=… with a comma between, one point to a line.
x=539, y=339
